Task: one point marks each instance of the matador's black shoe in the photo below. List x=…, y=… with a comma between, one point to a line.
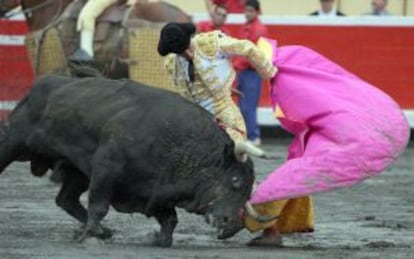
x=81, y=57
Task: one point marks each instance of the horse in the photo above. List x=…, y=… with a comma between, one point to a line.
x=58, y=18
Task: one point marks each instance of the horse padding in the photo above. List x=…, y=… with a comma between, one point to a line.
x=146, y=65
x=46, y=52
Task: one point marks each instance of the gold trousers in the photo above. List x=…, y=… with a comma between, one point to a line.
x=295, y=215
x=228, y=113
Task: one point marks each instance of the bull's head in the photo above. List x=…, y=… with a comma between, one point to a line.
x=230, y=193
x=223, y=193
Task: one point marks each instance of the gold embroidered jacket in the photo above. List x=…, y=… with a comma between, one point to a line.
x=214, y=76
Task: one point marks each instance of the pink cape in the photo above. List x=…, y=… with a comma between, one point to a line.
x=345, y=129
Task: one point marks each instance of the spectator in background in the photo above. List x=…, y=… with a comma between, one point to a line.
x=218, y=18
x=379, y=7
x=249, y=81
x=233, y=6
x=327, y=8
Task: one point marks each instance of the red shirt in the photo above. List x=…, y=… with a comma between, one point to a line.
x=233, y=6
x=251, y=31
x=206, y=26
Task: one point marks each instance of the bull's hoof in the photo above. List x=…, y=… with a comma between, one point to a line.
x=104, y=233
x=99, y=232
x=161, y=240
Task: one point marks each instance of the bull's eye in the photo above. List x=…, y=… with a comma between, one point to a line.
x=236, y=182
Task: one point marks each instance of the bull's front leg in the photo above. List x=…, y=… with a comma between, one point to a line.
x=167, y=218
x=74, y=184
x=107, y=164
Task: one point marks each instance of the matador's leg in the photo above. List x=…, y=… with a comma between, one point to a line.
x=86, y=25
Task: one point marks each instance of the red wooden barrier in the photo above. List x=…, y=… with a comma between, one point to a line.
x=16, y=74
x=379, y=50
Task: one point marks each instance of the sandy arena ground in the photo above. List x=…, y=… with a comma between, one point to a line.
x=372, y=220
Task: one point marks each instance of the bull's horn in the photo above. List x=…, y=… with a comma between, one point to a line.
x=240, y=152
x=242, y=157
x=259, y=218
x=249, y=148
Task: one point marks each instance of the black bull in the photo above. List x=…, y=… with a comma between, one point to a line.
x=136, y=148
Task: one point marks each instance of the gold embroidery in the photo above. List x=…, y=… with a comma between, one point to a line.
x=278, y=112
x=206, y=44
x=214, y=76
x=247, y=49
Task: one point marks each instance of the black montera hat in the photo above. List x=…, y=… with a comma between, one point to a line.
x=175, y=38
x=253, y=3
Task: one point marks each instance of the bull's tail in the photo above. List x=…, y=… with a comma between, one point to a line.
x=10, y=147
x=11, y=142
